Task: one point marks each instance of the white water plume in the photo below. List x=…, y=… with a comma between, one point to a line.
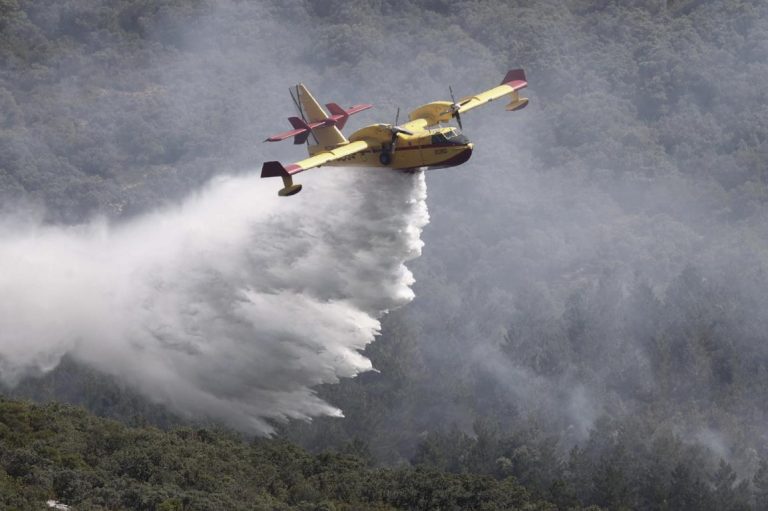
x=231, y=306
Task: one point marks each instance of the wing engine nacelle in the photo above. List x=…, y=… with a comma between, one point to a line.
x=302, y=129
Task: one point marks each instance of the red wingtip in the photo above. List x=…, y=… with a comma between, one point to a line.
x=273, y=169
x=277, y=169
x=515, y=78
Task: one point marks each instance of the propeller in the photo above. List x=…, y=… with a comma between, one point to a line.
x=455, y=107
x=398, y=129
x=395, y=130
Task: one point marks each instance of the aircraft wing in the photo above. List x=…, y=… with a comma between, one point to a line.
x=276, y=169
x=513, y=82
x=443, y=111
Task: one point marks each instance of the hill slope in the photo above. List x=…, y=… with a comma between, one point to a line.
x=63, y=453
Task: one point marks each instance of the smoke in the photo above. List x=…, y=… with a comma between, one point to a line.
x=232, y=305
x=561, y=255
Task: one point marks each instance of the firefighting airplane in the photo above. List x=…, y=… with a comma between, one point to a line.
x=420, y=143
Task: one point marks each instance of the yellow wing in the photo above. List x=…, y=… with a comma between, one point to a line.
x=276, y=169
x=443, y=111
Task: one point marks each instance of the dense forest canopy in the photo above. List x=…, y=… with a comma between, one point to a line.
x=590, y=312
x=100, y=464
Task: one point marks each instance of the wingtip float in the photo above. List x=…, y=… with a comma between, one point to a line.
x=421, y=143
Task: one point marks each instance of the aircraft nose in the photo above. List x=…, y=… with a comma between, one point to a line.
x=464, y=155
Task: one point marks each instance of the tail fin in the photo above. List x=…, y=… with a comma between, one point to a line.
x=313, y=112
x=299, y=124
x=339, y=112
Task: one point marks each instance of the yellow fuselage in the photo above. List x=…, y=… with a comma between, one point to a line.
x=427, y=148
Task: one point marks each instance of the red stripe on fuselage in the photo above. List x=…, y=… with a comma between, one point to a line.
x=411, y=147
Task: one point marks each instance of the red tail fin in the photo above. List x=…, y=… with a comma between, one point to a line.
x=339, y=114
x=299, y=124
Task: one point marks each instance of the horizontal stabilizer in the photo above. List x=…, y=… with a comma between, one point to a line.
x=302, y=129
x=300, y=133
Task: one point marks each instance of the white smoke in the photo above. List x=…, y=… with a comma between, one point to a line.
x=230, y=306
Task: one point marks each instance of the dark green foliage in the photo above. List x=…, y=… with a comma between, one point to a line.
x=80, y=385
x=61, y=452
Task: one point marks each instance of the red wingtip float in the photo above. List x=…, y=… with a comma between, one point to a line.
x=516, y=79
x=276, y=169
x=424, y=142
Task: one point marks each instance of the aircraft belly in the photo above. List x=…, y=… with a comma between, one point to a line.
x=402, y=159
x=408, y=158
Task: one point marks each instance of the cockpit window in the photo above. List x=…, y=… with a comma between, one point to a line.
x=439, y=139
x=450, y=137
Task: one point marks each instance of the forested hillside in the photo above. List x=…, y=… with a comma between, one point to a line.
x=89, y=463
x=590, y=304
x=102, y=114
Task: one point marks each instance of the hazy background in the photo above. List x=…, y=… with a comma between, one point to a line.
x=594, y=277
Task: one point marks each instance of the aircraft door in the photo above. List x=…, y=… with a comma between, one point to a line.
x=407, y=152
x=412, y=151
